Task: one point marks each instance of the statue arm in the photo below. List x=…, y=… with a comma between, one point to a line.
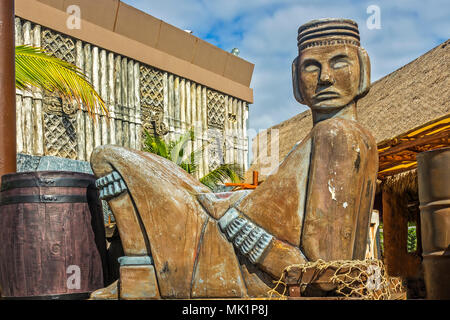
x=278, y=256
x=260, y=247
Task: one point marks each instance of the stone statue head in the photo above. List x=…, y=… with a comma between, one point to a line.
x=331, y=69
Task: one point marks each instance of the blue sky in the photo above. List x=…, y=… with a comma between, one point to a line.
x=265, y=32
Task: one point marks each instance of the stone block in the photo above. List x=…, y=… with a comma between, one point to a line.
x=26, y=162
x=138, y=283
x=50, y=163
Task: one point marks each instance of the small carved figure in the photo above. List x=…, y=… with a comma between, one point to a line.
x=182, y=241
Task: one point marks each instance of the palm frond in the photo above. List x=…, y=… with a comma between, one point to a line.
x=189, y=166
x=34, y=67
x=192, y=162
x=178, y=148
x=224, y=173
x=177, y=152
x=156, y=145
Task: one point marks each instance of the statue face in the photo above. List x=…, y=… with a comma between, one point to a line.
x=329, y=76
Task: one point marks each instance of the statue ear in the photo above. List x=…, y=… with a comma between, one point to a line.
x=295, y=83
x=364, y=81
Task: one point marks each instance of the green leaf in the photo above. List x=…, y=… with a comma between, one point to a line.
x=177, y=148
x=226, y=172
x=156, y=145
x=175, y=152
x=412, y=239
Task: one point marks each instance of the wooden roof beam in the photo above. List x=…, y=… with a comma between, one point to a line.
x=420, y=141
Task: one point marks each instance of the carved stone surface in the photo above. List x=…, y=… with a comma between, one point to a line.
x=152, y=90
x=58, y=45
x=216, y=109
x=57, y=106
x=152, y=100
x=60, y=133
x=60, y=137
x=50, y=163
x=216, y=148
x=26, y=162
x=316, y=204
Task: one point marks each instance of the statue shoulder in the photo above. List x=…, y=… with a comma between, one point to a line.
x=337, y=127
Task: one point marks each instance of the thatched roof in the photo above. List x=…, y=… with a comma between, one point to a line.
x=402, y=182
x=415, y=94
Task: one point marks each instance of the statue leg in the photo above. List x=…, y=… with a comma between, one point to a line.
x=154, y=203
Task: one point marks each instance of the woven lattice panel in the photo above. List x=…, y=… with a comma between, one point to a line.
x=60, y=138
x=216, y=109
x=151, y=86
x=152, y=100
x=58, y=45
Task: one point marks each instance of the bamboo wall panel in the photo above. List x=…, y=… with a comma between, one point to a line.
x=138, y=97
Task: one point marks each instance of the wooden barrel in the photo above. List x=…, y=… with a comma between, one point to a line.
x=434, y=195
x=52, y=236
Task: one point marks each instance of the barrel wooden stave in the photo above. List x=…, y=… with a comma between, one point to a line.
x=434, y=194
x=41, y=240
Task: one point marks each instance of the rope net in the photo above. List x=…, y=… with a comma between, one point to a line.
x=361, y=279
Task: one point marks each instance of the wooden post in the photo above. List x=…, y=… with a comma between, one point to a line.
x=395, y=232
x=255, y=178
x=7, y=89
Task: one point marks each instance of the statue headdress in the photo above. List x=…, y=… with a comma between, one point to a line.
x=328, y=32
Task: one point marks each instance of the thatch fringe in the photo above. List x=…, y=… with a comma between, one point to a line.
x=402, y=182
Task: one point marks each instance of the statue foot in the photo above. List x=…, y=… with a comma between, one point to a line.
x=138, y=282
x=109, y=293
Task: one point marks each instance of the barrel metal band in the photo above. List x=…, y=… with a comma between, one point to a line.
x=67, y=296
x=43, y=199
x=438, y=203
x=47, y=182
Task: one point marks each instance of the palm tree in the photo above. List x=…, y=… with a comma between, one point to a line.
x=175, y=152
x=34, y=67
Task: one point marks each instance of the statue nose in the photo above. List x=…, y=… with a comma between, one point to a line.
x=325, y=77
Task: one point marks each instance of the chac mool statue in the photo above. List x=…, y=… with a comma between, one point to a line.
x=183, y=241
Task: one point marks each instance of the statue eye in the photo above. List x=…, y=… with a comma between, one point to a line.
x=340, y=64
x=310, y=67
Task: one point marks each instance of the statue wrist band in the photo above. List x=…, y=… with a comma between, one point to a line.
x=248, y=238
